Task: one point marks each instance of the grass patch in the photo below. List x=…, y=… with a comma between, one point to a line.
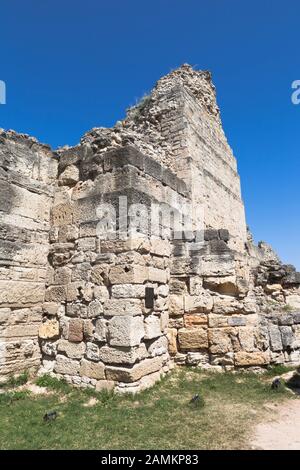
x=14, y=382
x=160, y=418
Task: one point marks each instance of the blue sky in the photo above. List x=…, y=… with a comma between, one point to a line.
x=70, y=65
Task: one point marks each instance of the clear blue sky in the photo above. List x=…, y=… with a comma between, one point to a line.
x=70, y=65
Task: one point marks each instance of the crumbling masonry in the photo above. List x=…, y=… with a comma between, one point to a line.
x=117, y=308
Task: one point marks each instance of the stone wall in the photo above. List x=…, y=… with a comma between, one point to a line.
x=99, y=327
x=103, y=281
x=28, y=175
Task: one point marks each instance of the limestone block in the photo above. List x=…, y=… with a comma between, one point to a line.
x=160, y=247
x=275, y=338
x=62, y=276
x=195, y=320
x=157, y=275
x=162, y=291
x=237, y=320
x=75, y=334
x=195, y=338
x=72, y=350
x=244, y=359
x=93, y=370
x=128, y=291
x=246, y=338
x=158, y=346
x=99, y=274
x=218, y=265
x=88, y=329
x=56, y=294
x=76, y=310
x=101, y=293
x=65, y=365
x=172, y=339
x=95, y=309
x=226, y=305
x=286, y=336
x=128, y=274
x=152, y=327
x=101, y=330
x=113, y=307
x=178, y=286
x=125, y=331
x=117, y=355
x=18, y=293
x=49, y=329
x=196, y=285
x=50, y=308
x=176, y=305
x=220, y=340
x=92, y=351
x=132, y=374
x=199, y=303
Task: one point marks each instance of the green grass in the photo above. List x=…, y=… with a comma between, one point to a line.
x=14, y=382
x=159, y=418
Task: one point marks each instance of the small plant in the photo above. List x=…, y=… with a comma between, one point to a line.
x=14, y=382
x=287, y=308
x=9, y=397
x=59, y=385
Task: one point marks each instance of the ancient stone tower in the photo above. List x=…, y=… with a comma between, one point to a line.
x=129, y=253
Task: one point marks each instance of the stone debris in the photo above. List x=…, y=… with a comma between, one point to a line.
x=117, y=312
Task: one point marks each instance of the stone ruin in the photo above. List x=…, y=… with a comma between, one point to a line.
x=108, y=300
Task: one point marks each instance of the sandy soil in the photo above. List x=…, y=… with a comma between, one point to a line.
x=282, y=432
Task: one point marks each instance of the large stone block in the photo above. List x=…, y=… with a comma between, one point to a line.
x=128, y=274
x=125, y=331
x=72, y=350
x=65, y=365
x=152, y=327
x=200, y=303
x=75, y=334
x=244, y=359
x=93, y=370
x=113, y=307
x=49, y=329
x=121, y=355
x=132, y=374
x=128, y=291
x=195, y=338
x=220, y=340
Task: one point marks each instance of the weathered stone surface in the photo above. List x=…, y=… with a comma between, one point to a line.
x=126, y=307
x=93, y=370
x=152, y=326
x=125, y=331
x=49, y=329
x=64, y=365
x=128, y=291
x=191, y=339
x=72, y=350
x=118, y=355
x=194, y=320
x=245, y=359
x=200, y=303
x=75, y=330
x=132, y=374
x=172, y=338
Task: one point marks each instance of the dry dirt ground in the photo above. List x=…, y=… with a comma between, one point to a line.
x=282, y=431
